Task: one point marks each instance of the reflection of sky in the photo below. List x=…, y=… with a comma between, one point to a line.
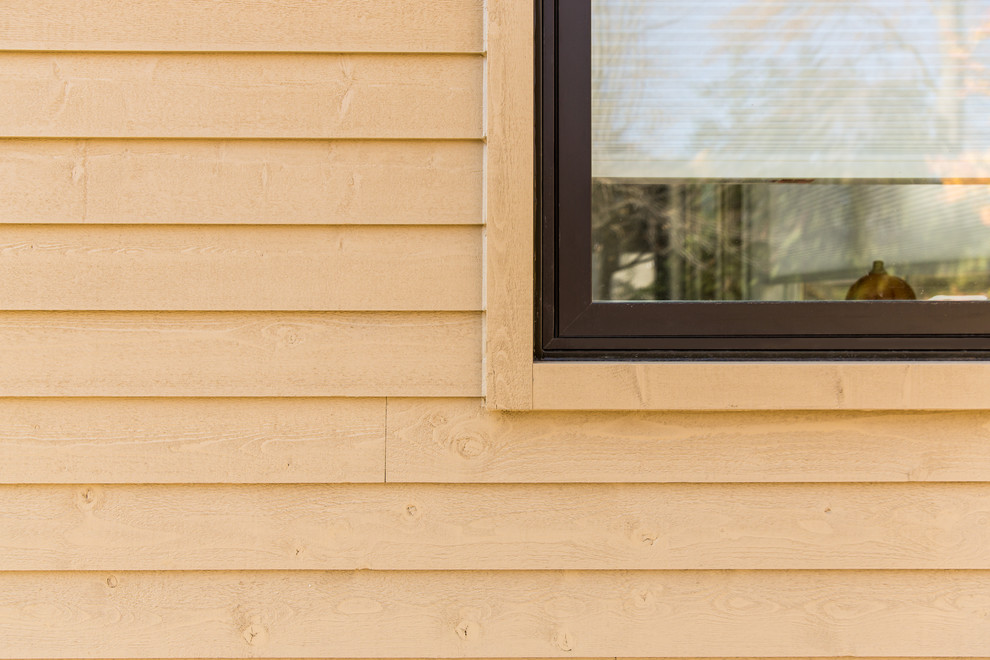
x=765, y=88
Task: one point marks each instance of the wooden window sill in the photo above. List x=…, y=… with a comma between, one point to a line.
x=761, y=386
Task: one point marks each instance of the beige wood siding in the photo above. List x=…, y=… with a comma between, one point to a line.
x=243, y=299
x=497, y=527
x=242, y=95
x=457, y=440
x=246, y=25
x=217, y=181
x=133, y=440
x=492, y=614
x=240, y=354
x=78, y=267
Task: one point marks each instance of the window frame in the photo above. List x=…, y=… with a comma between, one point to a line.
x=514, y=380
x=570, y=325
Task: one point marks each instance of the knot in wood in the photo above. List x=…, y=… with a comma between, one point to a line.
x=255, y=634
x=470, y=446
x=562, y=639
x=644, y=536
x=641, y=601
x=112, y=582
x=87, y=498
x=468, y=630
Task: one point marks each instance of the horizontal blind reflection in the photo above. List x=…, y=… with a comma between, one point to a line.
x=760, y=88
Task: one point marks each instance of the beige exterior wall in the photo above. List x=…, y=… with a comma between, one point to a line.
x=244, y=288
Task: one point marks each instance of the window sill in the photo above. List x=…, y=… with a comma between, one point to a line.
x=761, y=386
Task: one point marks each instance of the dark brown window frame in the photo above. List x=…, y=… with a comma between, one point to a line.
x=570, y=325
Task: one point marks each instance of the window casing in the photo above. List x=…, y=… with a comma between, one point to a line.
x=573, y=325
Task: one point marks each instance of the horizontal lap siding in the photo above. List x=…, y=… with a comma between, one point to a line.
x=223, y=95
x=496, y=527
x=494, y=614
x=437, y=440
x=239, y=25
x=201, y=274
x=76, y=267
x=240, y=354
x=182, y=440
x=216, y=181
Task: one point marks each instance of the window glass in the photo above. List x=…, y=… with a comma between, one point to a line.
x=801, y=150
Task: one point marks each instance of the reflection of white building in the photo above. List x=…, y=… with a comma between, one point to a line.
x=873, y=89
x=841, y=229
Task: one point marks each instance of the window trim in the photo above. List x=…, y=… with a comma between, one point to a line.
x=572, y=325
x=515, y=380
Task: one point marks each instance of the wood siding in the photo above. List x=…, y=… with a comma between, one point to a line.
x=188, y=267
x=233, y=182
x=247, y=25
x=245, y=253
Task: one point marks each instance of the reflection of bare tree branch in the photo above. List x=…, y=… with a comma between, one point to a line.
x=799, y=86
x=903, y=43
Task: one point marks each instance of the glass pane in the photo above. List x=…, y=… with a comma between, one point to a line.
x=789, y=241
x=768, y=150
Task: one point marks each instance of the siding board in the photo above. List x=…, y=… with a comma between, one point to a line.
x=254, y=25
x=504, y=614
x=494, y=527
x=457, y=441
x=135, y=440
x=241, y=181
x=78, y=267
x=186, y=95
x=239, y=354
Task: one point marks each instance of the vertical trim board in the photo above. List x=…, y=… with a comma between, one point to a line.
x=509, y=205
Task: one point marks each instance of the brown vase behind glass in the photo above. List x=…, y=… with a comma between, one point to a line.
x=879, y=285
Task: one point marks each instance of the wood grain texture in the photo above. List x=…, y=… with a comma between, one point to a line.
x=509, y=205
x=135, y=440
x=239, y=354
x=503, y=613
x=243, y=25
x=432, y=440
x=495, y=527
x=183, y=267
x=226, y=95
x=836, y=385
x=241, y=181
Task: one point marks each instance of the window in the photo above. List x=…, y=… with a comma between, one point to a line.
x=717, y=179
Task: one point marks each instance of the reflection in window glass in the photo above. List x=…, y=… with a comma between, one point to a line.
x=767, y=150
